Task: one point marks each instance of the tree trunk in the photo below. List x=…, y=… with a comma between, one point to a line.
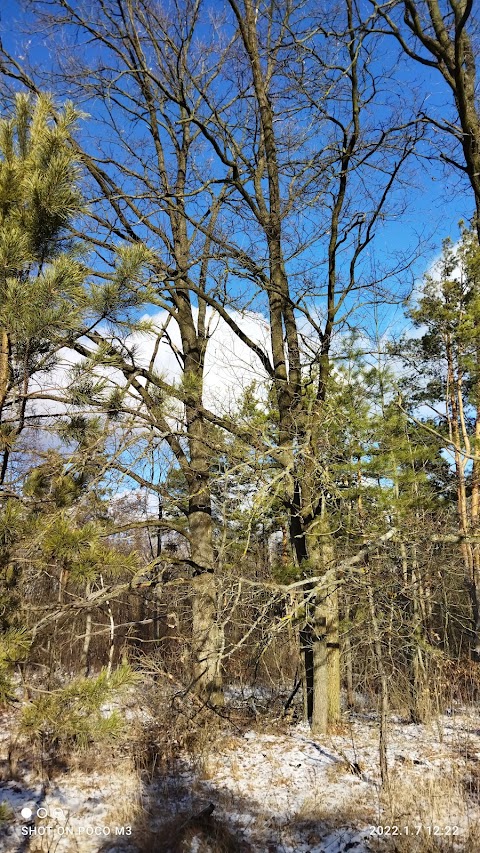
x=333, y=656
x=421, y=689
x=4, y=367
x=475, y=509
x=85, y=656
x=325, y=690
x=320, y=698
x=382, y=676
x=325, y=710
x=206, y=640
x=348, y=661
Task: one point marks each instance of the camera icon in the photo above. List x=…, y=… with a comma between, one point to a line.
x=41, y=813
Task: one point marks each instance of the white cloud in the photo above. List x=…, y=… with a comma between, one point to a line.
x=230, y=364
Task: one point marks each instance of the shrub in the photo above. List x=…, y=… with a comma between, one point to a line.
x=76, y=716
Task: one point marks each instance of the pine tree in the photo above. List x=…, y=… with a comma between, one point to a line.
x=41, y=299
x=41, y=275
x=444, y=364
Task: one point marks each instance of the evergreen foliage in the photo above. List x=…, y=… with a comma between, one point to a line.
x=41, y=275
x=14, y=647
x=78, y=715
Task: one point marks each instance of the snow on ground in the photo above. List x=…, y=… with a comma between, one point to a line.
x=297, y=793
x=274, y=791
x=74, y=813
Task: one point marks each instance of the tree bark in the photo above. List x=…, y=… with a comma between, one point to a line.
x=383, y=683
x=4, y=367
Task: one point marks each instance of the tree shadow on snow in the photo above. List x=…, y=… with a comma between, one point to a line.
x=210, y=820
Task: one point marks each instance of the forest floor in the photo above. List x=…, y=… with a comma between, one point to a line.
x=273, y=788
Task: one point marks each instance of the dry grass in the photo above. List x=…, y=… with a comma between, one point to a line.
x=128, y=806
x=335, y=771
x=426, y=809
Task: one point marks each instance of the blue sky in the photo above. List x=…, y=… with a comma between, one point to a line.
x=435, y=199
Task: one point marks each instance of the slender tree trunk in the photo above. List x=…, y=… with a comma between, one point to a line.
x=85, y=657
x=320, y=698
x=383, y=681
x=475, y=510
x=4, y=367
x=420, y=661
x=62, y=584
x=306, y=651
x=420, y=692
x=157, y=552
x=333, y=655
x=111, y=648
x=348, y=659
